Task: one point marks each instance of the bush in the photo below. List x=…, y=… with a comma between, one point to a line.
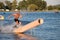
x=32, y=7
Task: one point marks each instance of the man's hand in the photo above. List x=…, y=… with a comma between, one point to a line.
x=9, y=16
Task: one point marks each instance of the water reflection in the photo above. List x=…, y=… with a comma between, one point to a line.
x=24, y=37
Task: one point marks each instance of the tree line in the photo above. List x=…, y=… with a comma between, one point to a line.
x=31, y=5
x=51, y=7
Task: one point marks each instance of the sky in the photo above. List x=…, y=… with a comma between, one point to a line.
x=52, y=2
x=49, y=2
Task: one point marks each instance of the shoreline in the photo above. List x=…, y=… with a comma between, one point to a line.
x=33, y=11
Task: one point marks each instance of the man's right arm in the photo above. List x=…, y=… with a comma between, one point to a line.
x=9, y=16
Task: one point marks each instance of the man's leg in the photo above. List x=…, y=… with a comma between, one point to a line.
x=17, y=23
x=20, y=23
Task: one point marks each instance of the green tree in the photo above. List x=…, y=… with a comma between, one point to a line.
x=44, y=5
x=8, y=4
x=41, y=4
x=14, y=5
x=31, y=1
x=22, y=5
x=32, y=7
x=58, y=6
x=54, y=7
x=50, y=7
x=1, y=5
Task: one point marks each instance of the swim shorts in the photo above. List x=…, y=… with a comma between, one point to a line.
x=16, y=20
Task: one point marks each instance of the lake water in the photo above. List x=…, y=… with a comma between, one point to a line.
x=49, y=30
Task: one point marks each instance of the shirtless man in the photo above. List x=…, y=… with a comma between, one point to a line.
x=16, y=16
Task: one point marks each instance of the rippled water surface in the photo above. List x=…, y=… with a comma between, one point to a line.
x=49, y=30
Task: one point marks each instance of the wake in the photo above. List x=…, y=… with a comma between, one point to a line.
x=8, y=28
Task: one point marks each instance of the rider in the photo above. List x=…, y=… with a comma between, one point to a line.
x=16, y=16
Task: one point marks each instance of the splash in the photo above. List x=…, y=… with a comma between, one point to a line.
x=7, y=28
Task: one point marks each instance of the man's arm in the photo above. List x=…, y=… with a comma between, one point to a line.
x=20, y=16
x=10, y=16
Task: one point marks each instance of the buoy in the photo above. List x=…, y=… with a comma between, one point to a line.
x=1, y=17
